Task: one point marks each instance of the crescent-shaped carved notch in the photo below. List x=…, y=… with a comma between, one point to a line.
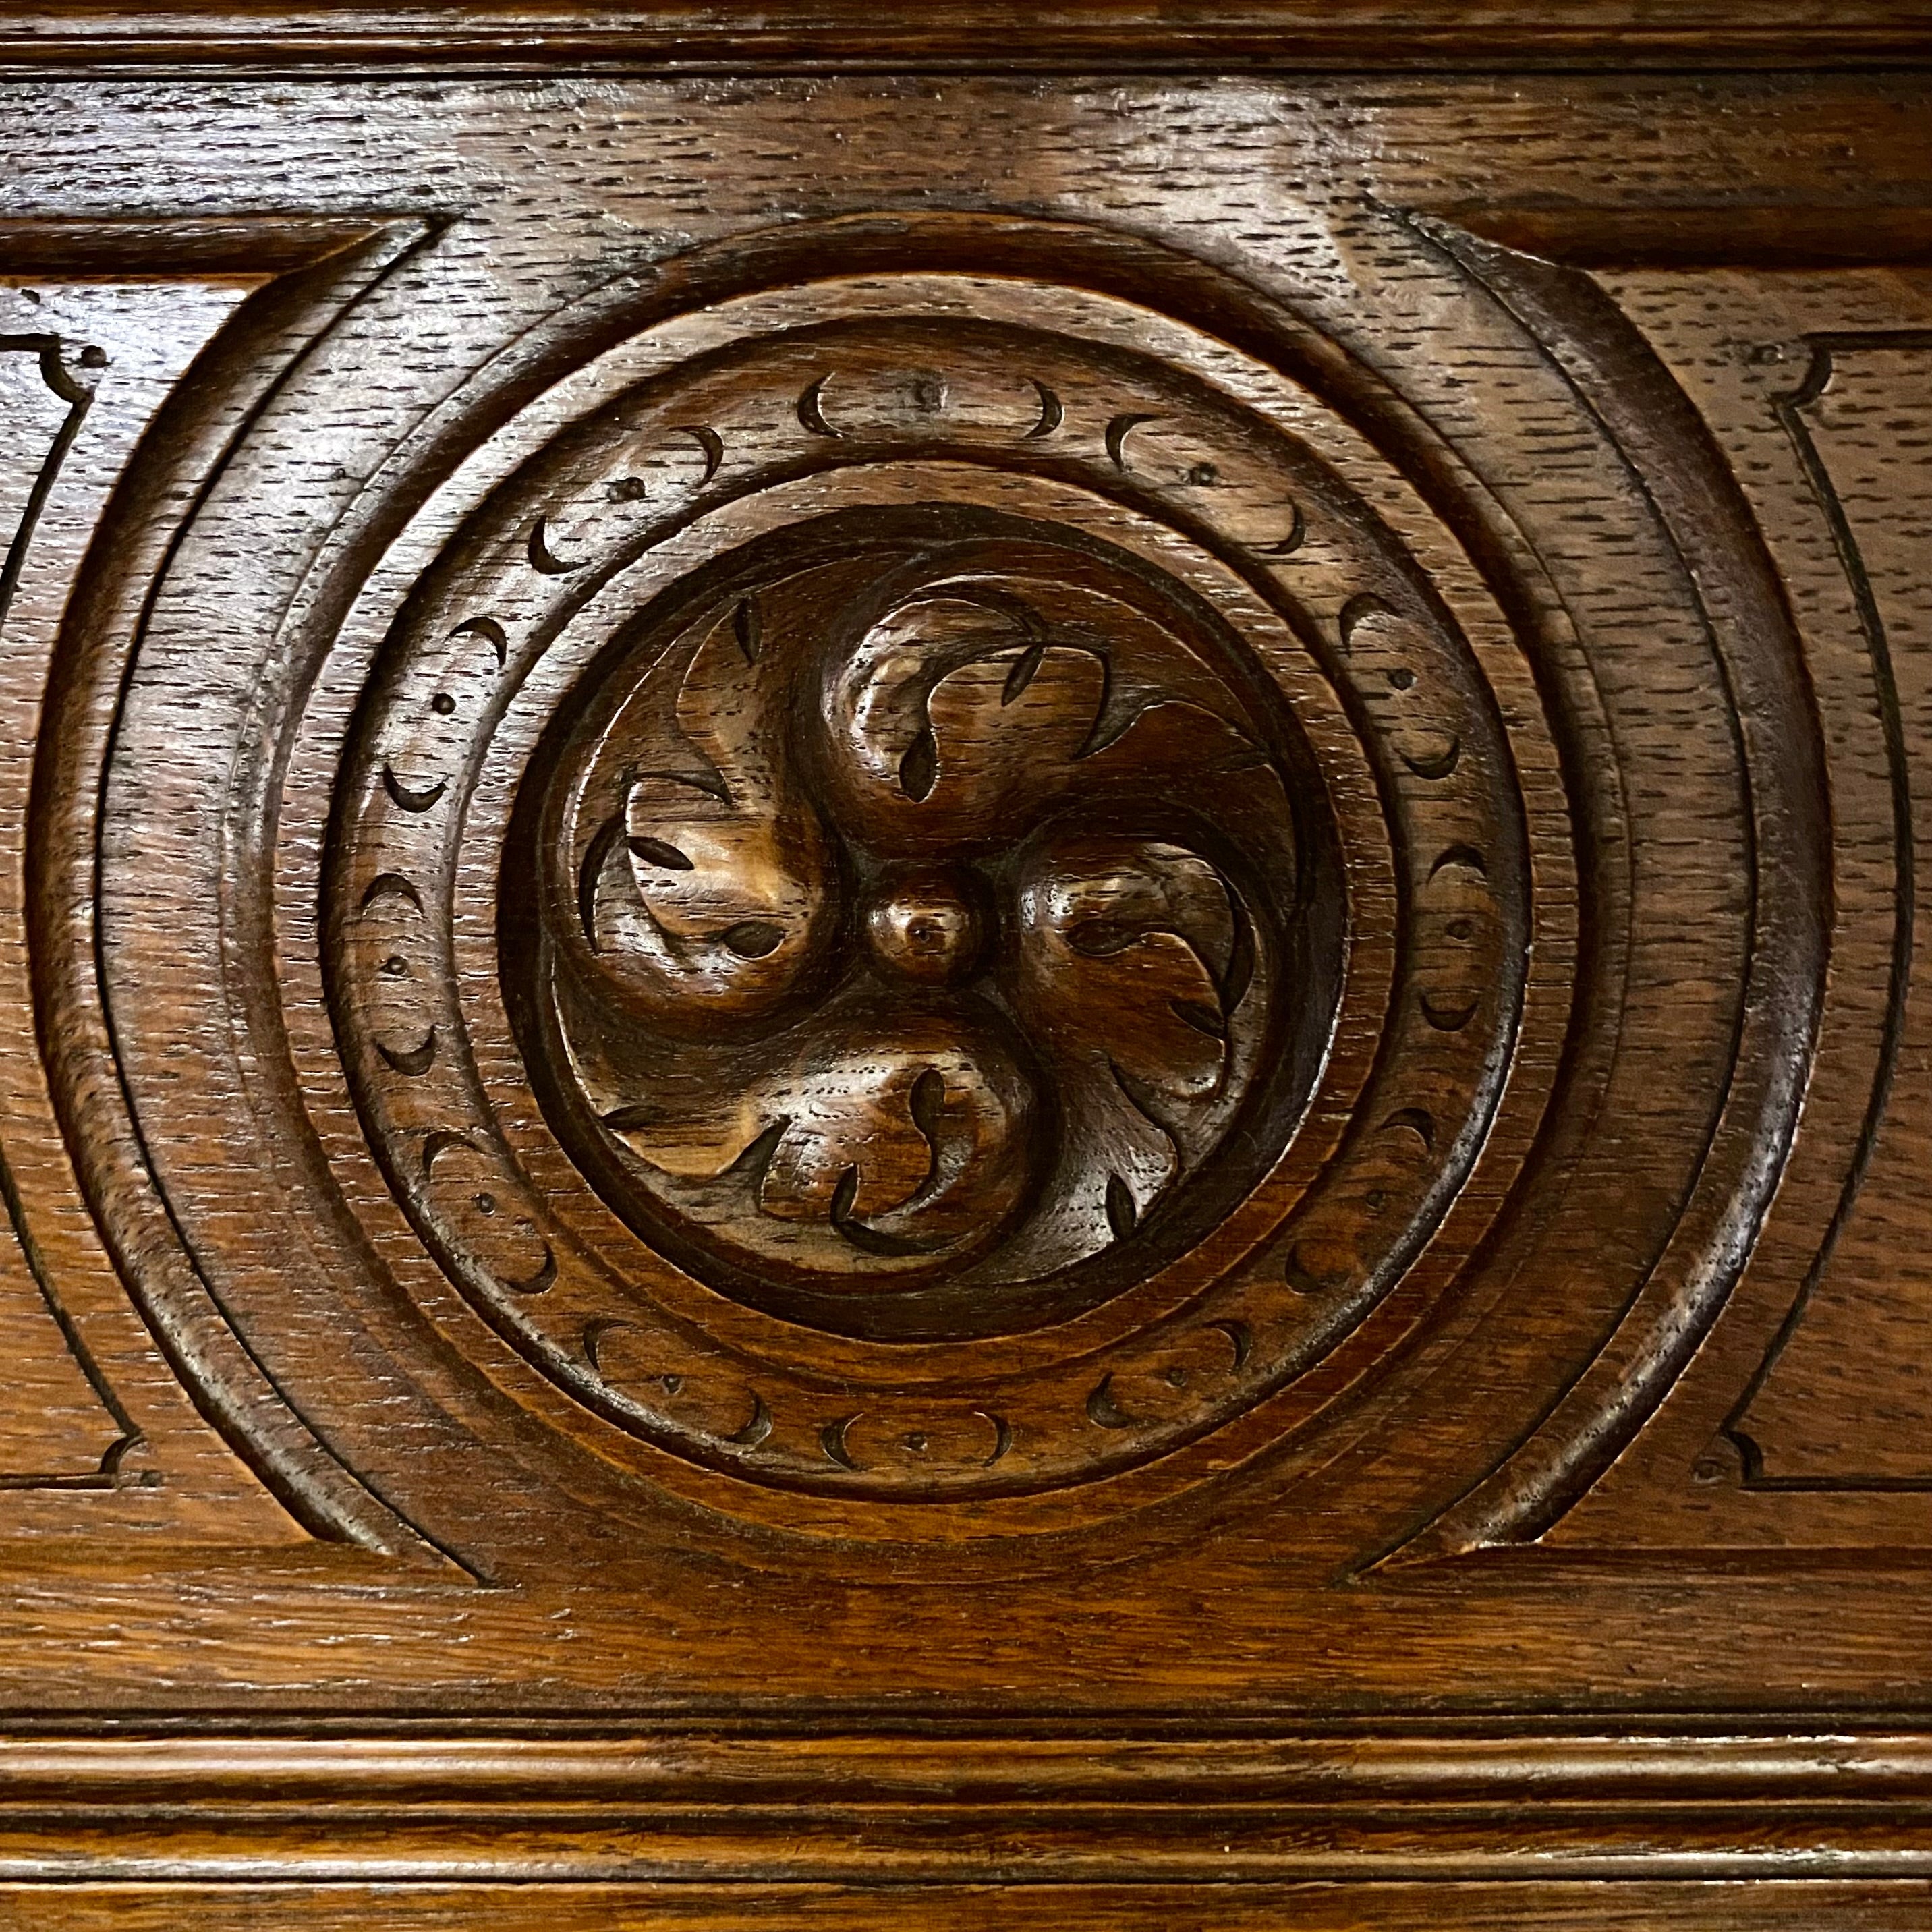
x=869, y=1240
x=1117, y=435
x=545, y=1278
x=1365, y=605
x=413, y=1061
x=1103, y=1410
x=707, y=439
x=1288, y=544
x=755, y=1431
x=1465, y=855
x=543, y=558
x=1003, y=1436
x=1052, y=412
x=1440, y=765
x=390, y=886
x=810, y=411
x=831, y=1440
x=595, y=857
x=490, y=631
x=748, y=628
x=1447, y=1019
x=441, y=1141
x=407, y=798
x=1241, y=1339
x=1417, y=1121
x=1304, y=1279
x=594, y=1332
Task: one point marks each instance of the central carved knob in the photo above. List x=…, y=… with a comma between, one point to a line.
x=925, y=925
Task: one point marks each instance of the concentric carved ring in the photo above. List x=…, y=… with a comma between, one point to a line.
x=997, y=846
x=350, y=1024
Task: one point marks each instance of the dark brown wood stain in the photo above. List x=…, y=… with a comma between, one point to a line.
x=961, y=966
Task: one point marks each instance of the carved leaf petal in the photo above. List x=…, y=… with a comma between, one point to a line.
x=708, y=898
x=1168, y=738
x=886, y=1135
x=907, y=1131
x=1124, y=947
x=952, y=720
x=720, y=709
x=1003, y=723
x=693, y=1147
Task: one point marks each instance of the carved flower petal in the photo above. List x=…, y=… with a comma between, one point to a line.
x=902, y=1133
x=1168, y=739
x=910, y=1134
x=1124, y=946
x=1000, y=725
x=707, y=895
x=692, y=1146
x=952, y=719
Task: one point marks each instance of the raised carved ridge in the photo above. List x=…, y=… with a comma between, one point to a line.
x=1795, y=411
x=920, y=1806
x=196, y=434
x=60, y=369
x=1019, y=700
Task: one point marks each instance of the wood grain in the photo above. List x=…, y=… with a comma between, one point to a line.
x=1400, y=1908
x=942, y=993
x=1079, y=34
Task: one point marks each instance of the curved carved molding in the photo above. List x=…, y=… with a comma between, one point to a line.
x=327, y=266
x=1727, y=585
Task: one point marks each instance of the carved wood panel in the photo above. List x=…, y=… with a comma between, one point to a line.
x=896, y=956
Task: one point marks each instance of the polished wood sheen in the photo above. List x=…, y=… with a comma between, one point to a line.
x=961, y=967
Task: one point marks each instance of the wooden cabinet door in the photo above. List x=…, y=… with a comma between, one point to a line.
x=962, y=968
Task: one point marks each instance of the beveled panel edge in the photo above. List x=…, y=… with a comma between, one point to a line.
x=691, y=35
x=306, y=270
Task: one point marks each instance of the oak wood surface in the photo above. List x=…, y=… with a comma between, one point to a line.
x=936, y=995
x=1784, y=1907
x=731, y=37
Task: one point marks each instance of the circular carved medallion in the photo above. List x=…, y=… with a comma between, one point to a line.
x=820, y=901
x=1006, y=885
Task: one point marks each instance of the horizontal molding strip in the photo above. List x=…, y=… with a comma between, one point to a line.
x=443, y=1805
x=486, y=1766
x=1108, y=34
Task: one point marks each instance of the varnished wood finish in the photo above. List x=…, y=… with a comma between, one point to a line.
x=965, y=969
x=1129, y=35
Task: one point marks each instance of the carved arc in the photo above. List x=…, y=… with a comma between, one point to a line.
x=194, y=435
x=1726, y=574
x=48, y=353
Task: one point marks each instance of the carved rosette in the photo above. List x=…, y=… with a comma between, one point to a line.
x=914, y=923
x=1008, y=895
